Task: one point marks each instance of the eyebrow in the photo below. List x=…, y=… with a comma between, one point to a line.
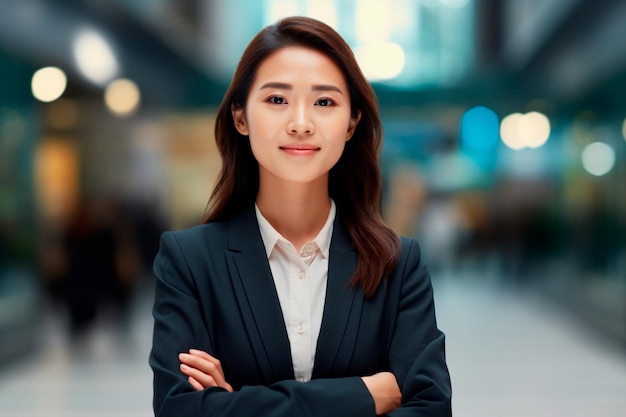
x=284, y=86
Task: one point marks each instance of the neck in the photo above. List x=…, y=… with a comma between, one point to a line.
x=298, y=212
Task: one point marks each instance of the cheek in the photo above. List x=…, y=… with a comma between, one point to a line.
x=261, y=122
x=338, y=145
x=256, y=145
x=260, y=135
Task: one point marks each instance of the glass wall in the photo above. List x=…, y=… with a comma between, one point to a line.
x=19, y=283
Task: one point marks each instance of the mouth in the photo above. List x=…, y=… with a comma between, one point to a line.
x=300, y=149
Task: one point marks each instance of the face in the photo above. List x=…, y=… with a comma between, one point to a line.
x=297, y=116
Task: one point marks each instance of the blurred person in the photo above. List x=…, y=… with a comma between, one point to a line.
x=294, y=297
x=148, y=224
x=406, y=201
x=89, y=251
x=127, y=266
x=100, y=266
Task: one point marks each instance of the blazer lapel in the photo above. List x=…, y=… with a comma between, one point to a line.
x=341, y=309
x=258, y=301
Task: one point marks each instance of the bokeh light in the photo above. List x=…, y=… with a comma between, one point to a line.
x=48, y=84
x=56, y=165
x=324, y=10
x=479, y=128
x=534, y=129
x=381, y=61
x=95, y=57
x=122, y=97
x=598, y=158
x=519, y=131
x=372, y=22
x=509, y=131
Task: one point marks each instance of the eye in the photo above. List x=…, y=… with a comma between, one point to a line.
x=276, y=100
x=324, y=102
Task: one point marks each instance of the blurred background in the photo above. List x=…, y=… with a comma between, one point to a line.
x=505, y=155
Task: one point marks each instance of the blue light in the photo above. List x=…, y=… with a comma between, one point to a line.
x=480, y=129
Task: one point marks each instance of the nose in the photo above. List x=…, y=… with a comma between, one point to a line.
x=300, y=122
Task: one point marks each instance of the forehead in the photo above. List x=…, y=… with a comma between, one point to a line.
x=299, y=63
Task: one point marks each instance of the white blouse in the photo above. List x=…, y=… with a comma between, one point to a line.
x=300, y=280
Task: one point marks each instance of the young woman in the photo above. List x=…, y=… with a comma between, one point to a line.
x=293, y=298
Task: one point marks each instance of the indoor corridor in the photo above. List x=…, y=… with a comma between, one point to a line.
x=510, y=354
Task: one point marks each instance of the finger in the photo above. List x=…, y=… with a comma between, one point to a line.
x=200, y=362
x=195, y=384
x=207, y=366
x=203, y=379
x=199, y=354
x=210, y=366
x=205, y=355
x=213, y=360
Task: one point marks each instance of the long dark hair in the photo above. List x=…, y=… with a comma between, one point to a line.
x=354, y=182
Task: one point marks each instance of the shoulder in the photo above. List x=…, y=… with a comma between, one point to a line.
x=196, y=238
x=410, y=260
x=197, y=232
x=234, y=232
x=181, y=252
x=409, y=248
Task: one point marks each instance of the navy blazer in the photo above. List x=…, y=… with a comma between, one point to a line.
x=215, y=292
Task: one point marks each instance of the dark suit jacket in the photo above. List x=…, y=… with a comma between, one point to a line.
x=215, y=292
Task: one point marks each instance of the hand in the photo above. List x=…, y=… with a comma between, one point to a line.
x=385, y=390
x=202, y=370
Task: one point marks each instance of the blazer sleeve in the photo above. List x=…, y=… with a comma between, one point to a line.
x=178, y=322
x=417, y=350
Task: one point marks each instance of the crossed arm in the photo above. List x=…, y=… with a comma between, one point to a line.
x=194, y=383
x=203, y=371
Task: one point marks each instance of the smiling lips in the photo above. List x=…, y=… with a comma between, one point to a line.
x=300, y=149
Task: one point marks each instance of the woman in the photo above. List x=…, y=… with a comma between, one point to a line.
x=294, y=298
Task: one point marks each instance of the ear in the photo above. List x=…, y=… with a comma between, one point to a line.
x=354, y=121
x=240, y=119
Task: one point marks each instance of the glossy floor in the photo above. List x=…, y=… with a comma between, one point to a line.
x=510, y=354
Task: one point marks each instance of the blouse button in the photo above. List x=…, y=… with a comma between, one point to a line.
x=308, y=249
x=301, y=275
x=300, y=329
